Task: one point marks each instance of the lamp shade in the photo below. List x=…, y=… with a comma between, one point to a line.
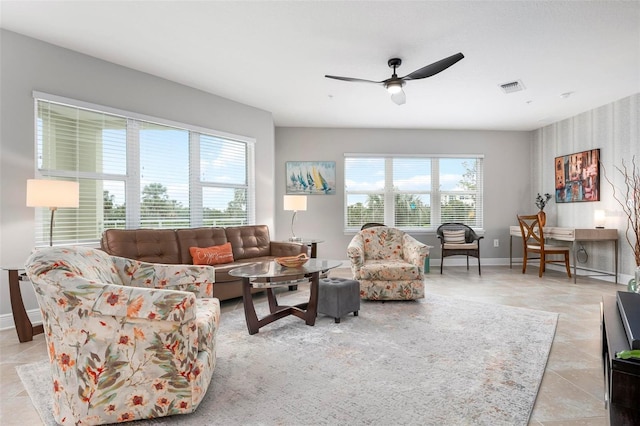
x=52, y=193
x=295, y=202
x=599, y=218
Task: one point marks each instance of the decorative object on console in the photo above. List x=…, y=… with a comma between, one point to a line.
x=295, y=203
x=541, y=202
x=53, y=194
x=599, y=218
x=310, y=177
x=577, y=177
x=629, y=200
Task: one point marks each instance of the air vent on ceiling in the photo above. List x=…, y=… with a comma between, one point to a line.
x=513, y=86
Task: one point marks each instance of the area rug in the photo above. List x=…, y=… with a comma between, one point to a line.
x=438, y=361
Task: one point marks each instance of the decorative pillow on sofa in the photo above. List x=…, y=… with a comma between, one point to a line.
x=454, y=237
x=214, y=255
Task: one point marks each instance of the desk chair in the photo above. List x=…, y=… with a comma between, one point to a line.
x=533, y=243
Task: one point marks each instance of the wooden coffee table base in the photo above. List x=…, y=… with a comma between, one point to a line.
x=24, y=328
x=306, y=311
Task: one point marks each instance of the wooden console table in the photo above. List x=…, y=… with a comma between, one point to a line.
x=621, y=377
x=575, y=236
x=24, y=328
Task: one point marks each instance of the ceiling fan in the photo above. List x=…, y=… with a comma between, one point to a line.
x=395, y=83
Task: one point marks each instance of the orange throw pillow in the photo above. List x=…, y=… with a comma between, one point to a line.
x=214, y=255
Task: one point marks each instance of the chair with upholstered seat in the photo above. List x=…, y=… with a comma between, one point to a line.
x=458, y=239
x=389, y=264
x=126, y=339
x=534, y=244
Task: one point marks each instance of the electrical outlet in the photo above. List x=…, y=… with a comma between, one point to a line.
x=496, y=243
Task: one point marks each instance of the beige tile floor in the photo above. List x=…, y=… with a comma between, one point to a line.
x=571, y=392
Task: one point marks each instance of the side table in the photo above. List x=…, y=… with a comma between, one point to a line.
x=25, y=329
x=309, y=242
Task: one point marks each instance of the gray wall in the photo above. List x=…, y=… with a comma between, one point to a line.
x=615, y=129
x=507, y=179
x=517, y=164
x=29, y=64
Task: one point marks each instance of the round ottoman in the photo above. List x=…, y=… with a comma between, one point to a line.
x=338, y=296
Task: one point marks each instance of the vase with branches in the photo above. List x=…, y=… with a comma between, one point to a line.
x=629, y=199
x=541, y=202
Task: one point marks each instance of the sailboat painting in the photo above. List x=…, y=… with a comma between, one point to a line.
x=311, y=177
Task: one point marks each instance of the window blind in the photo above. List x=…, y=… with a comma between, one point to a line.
x=413, y=192
x=138, y=173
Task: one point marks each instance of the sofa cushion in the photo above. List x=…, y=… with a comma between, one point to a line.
x=146, y=245
x=197, y=237
x=214, y=255
x=249, y=241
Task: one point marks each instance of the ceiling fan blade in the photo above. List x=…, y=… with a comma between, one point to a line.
x=356, y=80
x=434, y=68
x=399, y=98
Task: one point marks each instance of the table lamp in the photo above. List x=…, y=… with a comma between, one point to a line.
x=53, y=194
x=599, y=218
x=295, y=203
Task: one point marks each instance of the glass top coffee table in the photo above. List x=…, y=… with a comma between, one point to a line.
x=268, y=275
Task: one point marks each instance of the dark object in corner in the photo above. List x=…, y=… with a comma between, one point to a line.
x=629, y=307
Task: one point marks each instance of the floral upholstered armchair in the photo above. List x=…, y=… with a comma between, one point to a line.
x=126, y=339
x=389, y=264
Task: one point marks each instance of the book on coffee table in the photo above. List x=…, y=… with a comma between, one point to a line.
x=629, y=307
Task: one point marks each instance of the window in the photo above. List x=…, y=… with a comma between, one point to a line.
x=136, y=172
x=412, y=192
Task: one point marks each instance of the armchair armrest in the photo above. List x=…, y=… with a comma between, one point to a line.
x=197, y=279
x=413, y=251
x=145, y=303
x=281, y=248
x=473, y=236
x=355, y=253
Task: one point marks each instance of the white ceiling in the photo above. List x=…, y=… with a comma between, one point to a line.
x=274, y=55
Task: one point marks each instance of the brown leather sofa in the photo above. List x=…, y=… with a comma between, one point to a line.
x=249, y=244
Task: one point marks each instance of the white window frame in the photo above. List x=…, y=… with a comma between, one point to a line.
x=132, y=177
x=434, y=193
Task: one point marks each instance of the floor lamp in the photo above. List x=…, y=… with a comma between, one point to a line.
x=295, y=203
x=53, y=194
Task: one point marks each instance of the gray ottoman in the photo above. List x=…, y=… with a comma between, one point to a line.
x=338, y=296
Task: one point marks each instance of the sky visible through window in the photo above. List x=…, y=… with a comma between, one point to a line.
x=164, y=158
x=411, y=176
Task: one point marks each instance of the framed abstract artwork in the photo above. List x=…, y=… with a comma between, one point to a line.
x=577, y=177
x=311, y=177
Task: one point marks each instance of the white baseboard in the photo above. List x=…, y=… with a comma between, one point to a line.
x=6, y=320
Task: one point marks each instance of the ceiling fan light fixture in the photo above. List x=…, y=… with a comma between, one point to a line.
x=394, y=87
